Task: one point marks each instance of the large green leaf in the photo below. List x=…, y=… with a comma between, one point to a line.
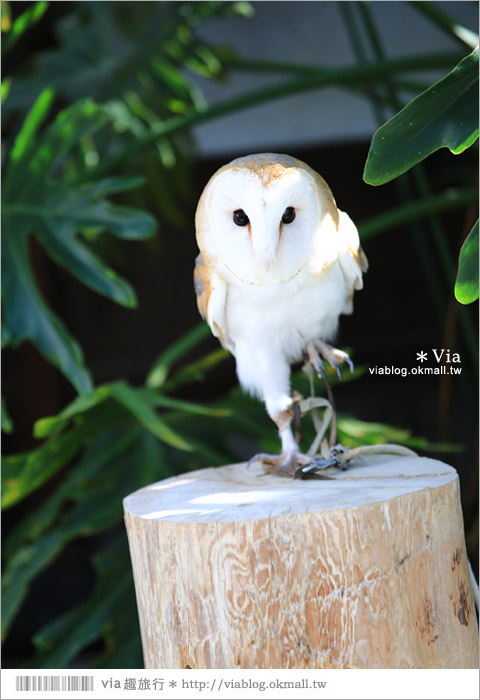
x=36, y=200
x=83, y=420
x=62, y=640
x=23, y=567
x=118, y=462
x=144, y=411
x=445, y=115
x=23, y=473
x=466, y=286
x=127, y=652
x=140, y=403
x=51, y=425
x=109, y=611
x=122, y=468
x=196, y=370
x=354, y=432
x=103, y=450
x=163, y=364
x=28, y=317
x=157, y=399
x=118, y=426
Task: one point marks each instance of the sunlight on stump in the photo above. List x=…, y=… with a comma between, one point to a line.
x=235, y=568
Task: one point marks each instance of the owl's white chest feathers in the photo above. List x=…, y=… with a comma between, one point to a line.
x=281, y=319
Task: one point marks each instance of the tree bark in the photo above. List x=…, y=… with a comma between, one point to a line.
x=235, y=568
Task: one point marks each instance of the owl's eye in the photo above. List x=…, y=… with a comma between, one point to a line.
x=288, y=215
x=240, y=218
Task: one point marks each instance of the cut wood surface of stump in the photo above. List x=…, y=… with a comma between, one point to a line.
x=235, y=568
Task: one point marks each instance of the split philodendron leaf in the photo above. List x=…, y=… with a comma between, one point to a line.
x=38, y=201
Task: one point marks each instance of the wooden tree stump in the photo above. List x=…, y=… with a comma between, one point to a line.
x=235, y=568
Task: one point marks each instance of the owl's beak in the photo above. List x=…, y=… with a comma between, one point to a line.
x=266, y=264
x=266, y=260
x=265, y=246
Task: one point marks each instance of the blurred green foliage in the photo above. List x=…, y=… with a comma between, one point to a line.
x=86, y=120
x=445, y=115
x=40, y=200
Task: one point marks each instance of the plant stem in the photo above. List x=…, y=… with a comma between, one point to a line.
x=440, y=60
x=377, y=103
x=461, y=34
x=158, y=374
x=415, y=210
x=253, y=65
x=341, y=76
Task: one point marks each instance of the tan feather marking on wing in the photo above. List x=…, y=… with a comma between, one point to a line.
x=359, y=256
x=202, y=279
x=363, y=259
x=218, y=333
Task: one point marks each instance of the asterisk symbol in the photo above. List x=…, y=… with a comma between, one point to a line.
x=172, y=684
x=421, y=356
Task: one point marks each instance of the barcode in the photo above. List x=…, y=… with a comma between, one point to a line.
x=52, y=683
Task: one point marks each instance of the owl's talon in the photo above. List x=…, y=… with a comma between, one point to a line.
x=294, y=465
x=284, y=464
x=333, y=356
x=323, y=373
x=316, y=362
x=263, y=458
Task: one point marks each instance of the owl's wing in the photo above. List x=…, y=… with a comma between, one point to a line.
x=353, y=261
x=211, y=293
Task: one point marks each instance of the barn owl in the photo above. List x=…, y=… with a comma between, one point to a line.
x=278, y=264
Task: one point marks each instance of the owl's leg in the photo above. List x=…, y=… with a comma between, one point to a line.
x=266, y=373
x=290, y=459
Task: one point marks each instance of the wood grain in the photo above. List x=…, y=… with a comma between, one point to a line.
x=235, y=568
